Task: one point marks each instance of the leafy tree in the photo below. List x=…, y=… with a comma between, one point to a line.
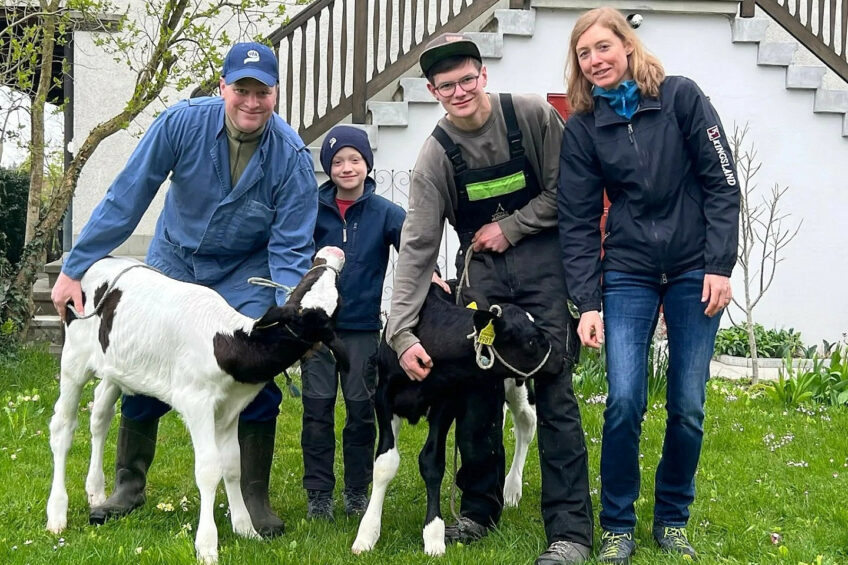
x=167, y=44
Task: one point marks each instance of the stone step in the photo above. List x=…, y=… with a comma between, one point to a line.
x=831, y=101
x=53, y=269
x=749, y=30
x=804, y=76
x=415, y=90
x=776, y=54
x=516, y=22
x=44, y=328
x=389, y=113
x=490, y=44
x=41, y=297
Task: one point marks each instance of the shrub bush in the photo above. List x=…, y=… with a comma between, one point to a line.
x=14, y=192
x=770, y=343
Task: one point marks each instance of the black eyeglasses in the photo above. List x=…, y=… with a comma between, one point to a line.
x=467, y=84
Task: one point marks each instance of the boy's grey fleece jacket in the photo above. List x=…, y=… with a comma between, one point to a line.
x=671, y=180
x=371, y=225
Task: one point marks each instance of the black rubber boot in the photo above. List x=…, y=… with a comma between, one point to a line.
x=136, y=446
x=257, y=452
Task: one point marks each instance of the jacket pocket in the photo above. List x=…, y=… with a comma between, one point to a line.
x=249, y=227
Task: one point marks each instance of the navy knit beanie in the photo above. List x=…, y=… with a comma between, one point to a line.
x=345, y=136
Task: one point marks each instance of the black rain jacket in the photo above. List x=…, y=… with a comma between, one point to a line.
x=672, y=184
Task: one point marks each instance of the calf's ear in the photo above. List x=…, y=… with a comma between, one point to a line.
x=275, y=316
x=482, y=319
x=339, y=352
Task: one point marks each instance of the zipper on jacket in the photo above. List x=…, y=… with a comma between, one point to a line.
x=344, y=230
x=630, y=133
x=663, y=278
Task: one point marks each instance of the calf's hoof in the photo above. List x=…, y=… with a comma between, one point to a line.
x=434, y=538
x=512, y=492
x=57, y=525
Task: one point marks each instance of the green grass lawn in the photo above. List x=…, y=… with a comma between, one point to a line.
x=771, y=489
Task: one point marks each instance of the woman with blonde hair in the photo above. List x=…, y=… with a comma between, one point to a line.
x=657, y=146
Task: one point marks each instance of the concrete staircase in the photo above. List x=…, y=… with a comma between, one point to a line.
x=776, y=48
x=46, y=325
x=413, y=89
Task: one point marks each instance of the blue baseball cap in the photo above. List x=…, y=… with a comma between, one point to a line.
x=251, y=60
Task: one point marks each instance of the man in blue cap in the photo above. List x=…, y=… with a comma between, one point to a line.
x=242, y=202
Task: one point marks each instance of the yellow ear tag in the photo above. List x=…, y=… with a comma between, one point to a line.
x=487, y=334
x=472, y=306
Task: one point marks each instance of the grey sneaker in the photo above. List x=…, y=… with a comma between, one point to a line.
x=564, y=553
x=465, y=530
x=319, y=505
x=616, y=548
x=674, y=540
x=355, y=501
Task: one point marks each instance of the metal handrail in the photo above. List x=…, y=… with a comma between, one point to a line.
x=819, y=25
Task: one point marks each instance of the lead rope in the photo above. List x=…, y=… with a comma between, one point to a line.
x=465, y=277
x=454, y=513
x=109, y=288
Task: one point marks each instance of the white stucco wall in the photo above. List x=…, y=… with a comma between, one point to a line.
x=797, y=147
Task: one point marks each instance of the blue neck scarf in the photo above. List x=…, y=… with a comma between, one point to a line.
x=624, y=99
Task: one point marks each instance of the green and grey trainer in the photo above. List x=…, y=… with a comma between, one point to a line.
x=616, y=548
x=674, y=540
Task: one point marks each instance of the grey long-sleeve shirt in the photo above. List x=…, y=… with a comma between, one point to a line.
x=433, y=199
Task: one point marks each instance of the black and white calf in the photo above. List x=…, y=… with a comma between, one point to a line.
x=183, y=344
x=447, y=332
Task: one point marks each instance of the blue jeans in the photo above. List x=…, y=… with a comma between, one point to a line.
x=631, y=310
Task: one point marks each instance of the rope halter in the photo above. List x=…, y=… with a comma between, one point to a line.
x=487, y=361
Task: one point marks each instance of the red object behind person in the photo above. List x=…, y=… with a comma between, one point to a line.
x=560, y=102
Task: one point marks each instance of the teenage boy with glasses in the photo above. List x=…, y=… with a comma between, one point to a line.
x=490, y=168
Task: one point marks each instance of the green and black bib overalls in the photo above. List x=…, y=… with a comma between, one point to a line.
x=528, y=274
x=491, y=193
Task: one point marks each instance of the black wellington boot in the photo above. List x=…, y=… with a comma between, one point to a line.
x=257, y=452
x=136, y=446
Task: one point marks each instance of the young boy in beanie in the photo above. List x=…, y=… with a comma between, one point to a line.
x=350, y=216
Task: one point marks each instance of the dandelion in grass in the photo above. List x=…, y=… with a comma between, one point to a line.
x=14, y=456
x=138, y=550
x=184, y=504
x=27, y=542
x=165, y=506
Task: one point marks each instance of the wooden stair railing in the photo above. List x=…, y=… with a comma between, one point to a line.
x=819, y=25
x=336, y=54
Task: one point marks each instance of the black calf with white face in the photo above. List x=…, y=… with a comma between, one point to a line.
x=520, y=348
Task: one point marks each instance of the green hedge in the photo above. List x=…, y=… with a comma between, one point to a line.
x=14, y=191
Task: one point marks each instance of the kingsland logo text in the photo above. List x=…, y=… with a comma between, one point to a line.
x=714, y=135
